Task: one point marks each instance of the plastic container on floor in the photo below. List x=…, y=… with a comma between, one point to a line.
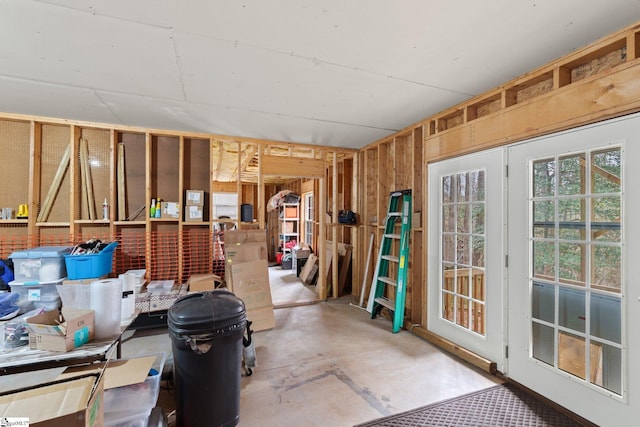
x=131, y=405
x=43, y=264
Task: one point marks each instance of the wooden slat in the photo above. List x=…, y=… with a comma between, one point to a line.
x=122, y=184
x=55, y=186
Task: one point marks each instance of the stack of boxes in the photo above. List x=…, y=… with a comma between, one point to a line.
x=194, y=206
x=37, y=271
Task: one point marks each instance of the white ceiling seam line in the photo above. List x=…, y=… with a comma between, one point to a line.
x=94, y=12
x=108, y=107
x=87, y=88
x=315, y=60
x=178, y=65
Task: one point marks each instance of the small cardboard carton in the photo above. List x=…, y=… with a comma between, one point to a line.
x=169, y=210
x=71, y=402
x=194, y=198
x=193, y=214
x=47, y=331
x=204, y=282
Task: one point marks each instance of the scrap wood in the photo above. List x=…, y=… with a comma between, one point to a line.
x=122, y=186
x=55, y=186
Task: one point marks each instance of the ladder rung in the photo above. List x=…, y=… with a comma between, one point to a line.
x=387, y=280
x=390, y=258
x=395, y=213
x=386, y=303
x=392, y=236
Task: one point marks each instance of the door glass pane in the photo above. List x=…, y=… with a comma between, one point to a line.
x=571, y=354
x=448, y=310
x=449, y=277
x=542, y=343
x=463, y=249
x=571, y=218
x=571, y=309
x=543, y=302
x=462, y=187
x=449, y=218
x=462, y=312
x=544, y=178
x=448, y=186
x=477, y=245
x=462, y=283
x=544, y=217
x=607, y=267
x=606, y=170
x=606, y=368
x=572, y=175
x=463, y=219
x=544, y=259
x=477, y=218
x=572, y=263
x=577, y=288
x=606, y=314
x=477, y=185
x=449, y=248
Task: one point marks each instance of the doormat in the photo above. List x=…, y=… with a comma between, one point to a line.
x=500, y=406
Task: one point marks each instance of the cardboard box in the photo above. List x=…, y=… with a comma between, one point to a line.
x=169, y=210
x=193, y=214
x=194, y=198
x=291, y=212
x=46, y=333
x=251, y=285
x=243, y=246
x=73, y=402
x=204, y=282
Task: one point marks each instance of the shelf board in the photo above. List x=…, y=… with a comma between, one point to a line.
x=14, y=221
x=130, y=222
x=52, y=224
x=192, y=223
x=92, y=221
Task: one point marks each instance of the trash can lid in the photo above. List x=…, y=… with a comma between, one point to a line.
x=205, y=312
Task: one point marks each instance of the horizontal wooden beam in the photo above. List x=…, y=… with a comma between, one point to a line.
x=464, y=354
x=587, y=101
x=292, y=167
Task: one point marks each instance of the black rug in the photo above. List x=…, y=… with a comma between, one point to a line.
x=502, y=405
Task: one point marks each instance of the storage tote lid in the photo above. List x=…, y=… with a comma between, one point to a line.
x=216, y=311
x=42, y=252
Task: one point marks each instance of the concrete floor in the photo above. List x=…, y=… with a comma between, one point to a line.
x=329, y=364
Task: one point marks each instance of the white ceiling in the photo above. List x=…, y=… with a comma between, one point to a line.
x=333, y=72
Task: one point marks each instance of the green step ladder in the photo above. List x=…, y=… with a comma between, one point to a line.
x=398, y=216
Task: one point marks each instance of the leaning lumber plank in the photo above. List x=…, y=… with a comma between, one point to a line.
x=84, y=147
x=122, y=187
x=43, y=215
x=83, y=183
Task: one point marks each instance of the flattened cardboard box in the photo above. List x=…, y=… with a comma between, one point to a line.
x=203, y=282
x=46, y=333
x=74, y=402
x=243, y=246
x=251, y=285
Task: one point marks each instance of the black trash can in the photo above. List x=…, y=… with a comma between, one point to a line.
x=206, y=330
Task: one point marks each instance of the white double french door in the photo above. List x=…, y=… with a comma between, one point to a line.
x=534, y=255
x=573, y=232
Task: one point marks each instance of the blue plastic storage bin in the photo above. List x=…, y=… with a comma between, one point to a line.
x=92, y=265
